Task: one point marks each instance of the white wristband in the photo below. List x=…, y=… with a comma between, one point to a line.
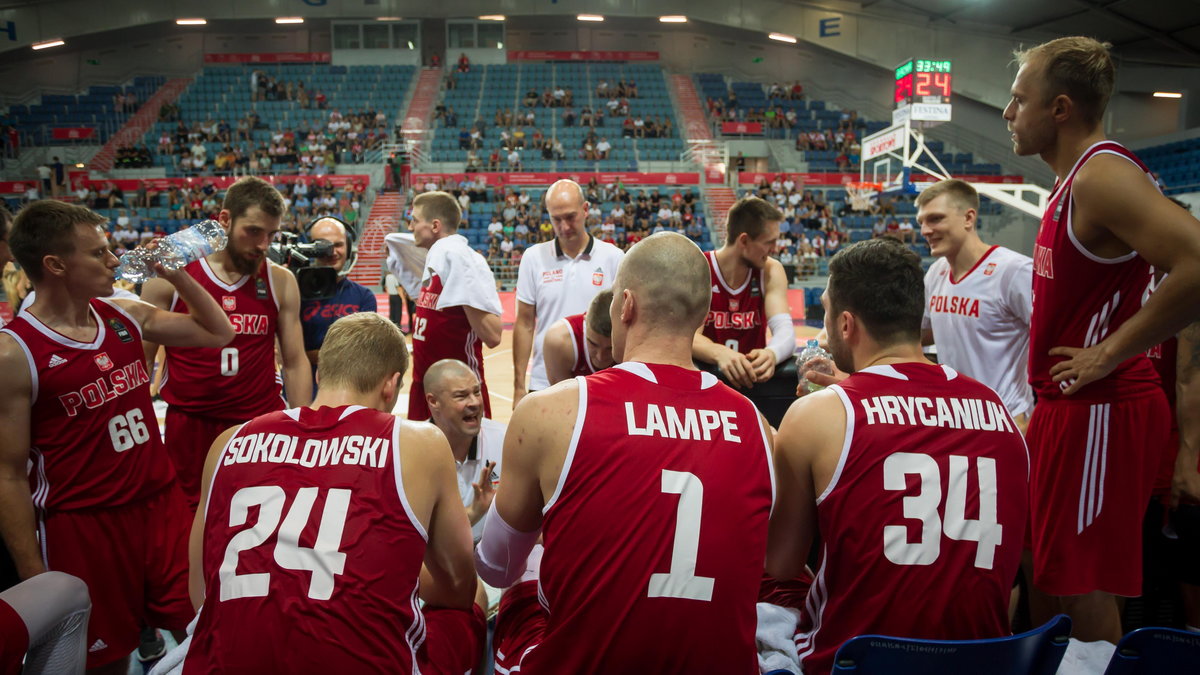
x=783, y=337
x=502, y=552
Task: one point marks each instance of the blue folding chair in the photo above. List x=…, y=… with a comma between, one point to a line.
x=1037, y=652
x=1156, y=650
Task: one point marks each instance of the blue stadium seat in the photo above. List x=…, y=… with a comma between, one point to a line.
x=1155, y=650
x=1037, y=652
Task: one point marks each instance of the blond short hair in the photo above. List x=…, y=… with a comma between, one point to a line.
x=960, y=192
x=1080, y=68
x=360, y=352
x=441, y=206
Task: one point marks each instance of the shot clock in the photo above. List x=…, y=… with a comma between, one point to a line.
x=922, y=91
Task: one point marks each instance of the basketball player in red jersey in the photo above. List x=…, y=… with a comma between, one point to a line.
x=351, y=506
x=210, y=390
x=76, y=404
x=458, y=310
x=651, y=484
x=1101, y=419
x=580, y=344
x=749, y=295
x=916, y=429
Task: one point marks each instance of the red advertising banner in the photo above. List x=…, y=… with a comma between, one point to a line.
x=72, y=133
x=692, y=178
x=742, y=128
x=273, y=57
x=747, y=178
x=16, y=187
x=518, y=55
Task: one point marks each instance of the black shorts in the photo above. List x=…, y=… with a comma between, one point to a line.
x=1186, y=522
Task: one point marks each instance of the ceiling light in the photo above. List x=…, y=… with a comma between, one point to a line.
x=673, y=18
x=783, y=37
x=191, y=22
x=290, y=19
x=1167, y=94
x=492, y=17
x=48, y=44
x=590, y=17
x=389, y=18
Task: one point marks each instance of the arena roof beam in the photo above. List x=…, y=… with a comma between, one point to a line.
x=1149, y=31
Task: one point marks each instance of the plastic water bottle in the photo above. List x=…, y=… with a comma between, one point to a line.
x=813, y=358
x=173, y=251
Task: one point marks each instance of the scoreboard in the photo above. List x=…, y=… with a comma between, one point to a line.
x=922, y=91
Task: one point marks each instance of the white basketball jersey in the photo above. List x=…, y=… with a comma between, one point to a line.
x=981, y=322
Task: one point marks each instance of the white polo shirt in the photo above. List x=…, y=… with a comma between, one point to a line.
x=558, y=286
x=488, y=447
x=980, y=322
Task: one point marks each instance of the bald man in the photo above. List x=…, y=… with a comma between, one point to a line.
x=349, y=296
x=455, y=399
x=614, y=471
x=557, y=279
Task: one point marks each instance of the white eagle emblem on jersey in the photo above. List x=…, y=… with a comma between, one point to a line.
x=103, y=362
x=733, y=305
x=229, y=303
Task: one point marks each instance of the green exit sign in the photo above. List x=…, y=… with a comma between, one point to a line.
x=929, y=66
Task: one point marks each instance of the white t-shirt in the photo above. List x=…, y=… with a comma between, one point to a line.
x=488, y=448
x=981, y=322
x=558, y=286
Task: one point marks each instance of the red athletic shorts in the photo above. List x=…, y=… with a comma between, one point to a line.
x=134, y=559
x=520, y=625
x=14, y=640
x=1093, y=469
x=454, y=640
x=188, y=438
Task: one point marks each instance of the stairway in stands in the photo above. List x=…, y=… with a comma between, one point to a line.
x=384, y=218
x=704, y=151
x=418, y=119
x=139, y=123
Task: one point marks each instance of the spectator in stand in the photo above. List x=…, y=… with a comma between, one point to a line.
x=464, y=64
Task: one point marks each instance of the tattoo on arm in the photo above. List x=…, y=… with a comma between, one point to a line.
x=1190, y=339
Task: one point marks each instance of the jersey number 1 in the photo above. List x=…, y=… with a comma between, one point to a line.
x=325, y=559
x=681, y=581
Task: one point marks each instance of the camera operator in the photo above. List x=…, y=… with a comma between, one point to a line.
x=349, y=297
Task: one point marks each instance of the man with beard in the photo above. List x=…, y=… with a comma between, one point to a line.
x=455, y=400
x=349, y=296
x=749, y=289
x=210, y=390
x=910, y=426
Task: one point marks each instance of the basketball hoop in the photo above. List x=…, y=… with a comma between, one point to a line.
x=860, y=194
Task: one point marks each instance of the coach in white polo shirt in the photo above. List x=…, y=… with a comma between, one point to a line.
x=978, y=297
x=558, y=278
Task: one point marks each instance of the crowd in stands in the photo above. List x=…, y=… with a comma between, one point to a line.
x=133, y=157
x=263, y=87
x=810, y=229
x=315, y=150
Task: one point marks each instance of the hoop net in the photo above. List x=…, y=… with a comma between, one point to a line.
x=860, y=194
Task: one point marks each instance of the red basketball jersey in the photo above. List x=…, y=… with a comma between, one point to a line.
x=583, y=360
x=238, y=381
x=1079, y=298
x=93, y=432
x=452, y=338
x=311, y=550
x=925, y=513
x=736, y=318
x=655, y=537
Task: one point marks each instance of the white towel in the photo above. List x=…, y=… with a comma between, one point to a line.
x=776, y=638
x=1086, y=658
x=172, y=662
x=406, y=260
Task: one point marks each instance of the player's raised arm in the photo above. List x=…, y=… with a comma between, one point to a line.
x=17, y=524
x=297, y=372
x=557, y=352
x=1117, y=210
x=1186, y=481
x=448, y=573
x=196, y=538
x=205, y=324
x=802, y=436
x=782, y=343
